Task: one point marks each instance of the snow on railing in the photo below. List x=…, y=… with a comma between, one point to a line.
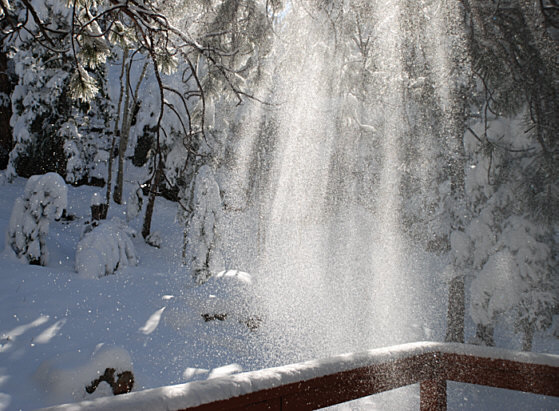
x=320, y=383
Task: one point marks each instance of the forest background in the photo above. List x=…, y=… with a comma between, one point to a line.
x=158, y=96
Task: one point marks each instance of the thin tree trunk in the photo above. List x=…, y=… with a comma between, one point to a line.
x=154, y=186
x=455, y=311
x=123, y=143
x=5, y=112
x=110, y=174
x=184, y=244
x=528, y=338
x=116, y=130
x=125, y=130
x=484, y=335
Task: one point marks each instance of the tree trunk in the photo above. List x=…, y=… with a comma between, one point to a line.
x=151, y=199
x=99, y=211
x=5, y=112
x=455, y=311
x=484, y=335
x=123, y=143
x=184, y=245
x=127, y=116
x=116, y=130
x=110, y=174
x=528, y=338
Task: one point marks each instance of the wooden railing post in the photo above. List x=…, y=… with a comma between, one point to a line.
x=432, y=395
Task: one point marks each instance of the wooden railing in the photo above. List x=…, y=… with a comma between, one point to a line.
x=320, y=383
x=430, y=369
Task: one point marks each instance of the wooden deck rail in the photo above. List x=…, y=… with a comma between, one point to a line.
x=431, y=370
x=320, y=383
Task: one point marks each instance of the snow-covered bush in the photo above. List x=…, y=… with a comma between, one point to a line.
x=496, y=289
x=134, y=204
x=531, y=247
x=200, y=251
x=45, y=198
x=515, y=280
x=105, y=249
x=225, y=314
x=228, y=294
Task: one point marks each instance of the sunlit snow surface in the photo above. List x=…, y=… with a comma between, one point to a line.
x=48, y=315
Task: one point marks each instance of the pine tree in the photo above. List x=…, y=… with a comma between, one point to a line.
x=52, y=132
x=6, y=88
x=512, y=146
x=39, y=101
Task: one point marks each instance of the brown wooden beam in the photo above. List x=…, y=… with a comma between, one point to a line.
x=432, y=395
x=337, y=388
x=498, y=373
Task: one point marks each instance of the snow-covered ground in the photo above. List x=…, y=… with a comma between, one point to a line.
x=55, y=325
x=58, y=330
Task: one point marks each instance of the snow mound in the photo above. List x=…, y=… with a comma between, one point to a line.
x=154, y=239
x=227, y=297
x=105, y=249
x=225, y=371
x=65, y=377
x=229, y=292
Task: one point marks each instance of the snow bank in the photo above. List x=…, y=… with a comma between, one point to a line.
x=105, y=249
x=65, y=377
x=200, y=392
